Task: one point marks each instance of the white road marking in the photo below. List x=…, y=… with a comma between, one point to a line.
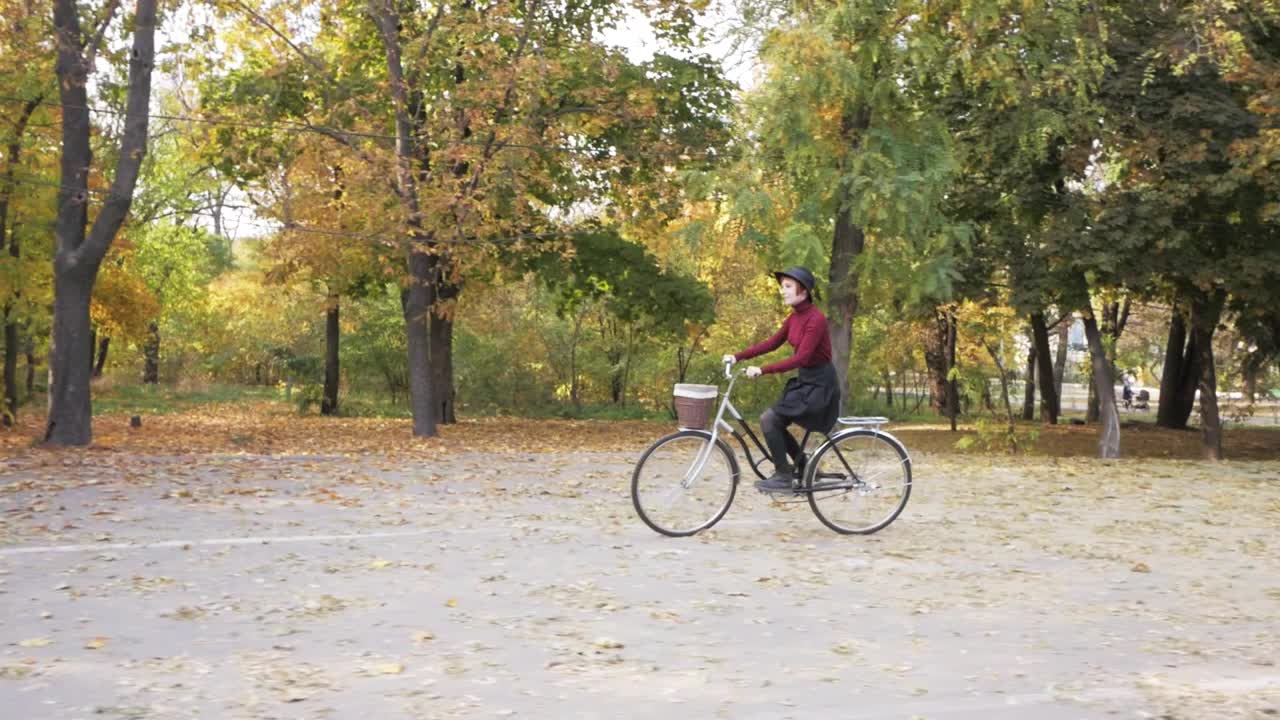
x=253, y=540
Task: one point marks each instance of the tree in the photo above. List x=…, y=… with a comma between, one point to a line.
x=176, y=264
x=844, y=152
x=1187, y=200
x=504, y=115
x=25, y=76
x=638, y=298
x=915, y=106
x=79, y=253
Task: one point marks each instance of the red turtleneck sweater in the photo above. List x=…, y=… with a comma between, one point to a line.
x=806, y=331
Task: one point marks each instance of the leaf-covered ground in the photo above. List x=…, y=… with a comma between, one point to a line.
x=271, y=428
x=256, y=566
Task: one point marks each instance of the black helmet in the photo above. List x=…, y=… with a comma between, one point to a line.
x=800, y=275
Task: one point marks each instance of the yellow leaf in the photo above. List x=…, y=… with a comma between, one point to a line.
x=95, y=643
x=35, y=642
x=390, y=668
x=453, y=602
x=380, y=563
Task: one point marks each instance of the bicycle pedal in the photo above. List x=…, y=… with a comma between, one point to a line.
x=775, y=491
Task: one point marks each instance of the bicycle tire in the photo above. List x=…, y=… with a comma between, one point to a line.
x=661, y=497
x=859, y=481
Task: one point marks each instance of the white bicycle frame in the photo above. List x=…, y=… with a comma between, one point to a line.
x=726, y=404
x=705, y=453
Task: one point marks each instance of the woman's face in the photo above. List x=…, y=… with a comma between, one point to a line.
x=793, y=293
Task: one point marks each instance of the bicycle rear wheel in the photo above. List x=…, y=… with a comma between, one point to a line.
x=859, y=481
x=672, y=494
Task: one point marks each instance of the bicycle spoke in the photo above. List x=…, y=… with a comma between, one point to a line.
x=860, y=482
x=683, y=484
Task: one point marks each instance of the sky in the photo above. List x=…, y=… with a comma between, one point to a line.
x=636, y=36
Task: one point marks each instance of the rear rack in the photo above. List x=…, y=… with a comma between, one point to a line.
x=872, y=421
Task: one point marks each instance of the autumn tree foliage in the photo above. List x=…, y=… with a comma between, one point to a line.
x=491, y=206
x=464, y=128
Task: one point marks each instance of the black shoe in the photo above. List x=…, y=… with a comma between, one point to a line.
x=778, y=482
x=799, y=466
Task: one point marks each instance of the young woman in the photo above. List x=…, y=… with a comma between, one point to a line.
x=812, y=398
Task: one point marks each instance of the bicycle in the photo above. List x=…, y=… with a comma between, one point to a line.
x=679, y=485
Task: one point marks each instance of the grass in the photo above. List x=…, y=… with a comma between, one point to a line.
x=166, y=400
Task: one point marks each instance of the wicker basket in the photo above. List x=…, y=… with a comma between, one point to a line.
x=694, y=405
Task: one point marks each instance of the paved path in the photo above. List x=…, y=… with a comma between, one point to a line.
x=523, y=586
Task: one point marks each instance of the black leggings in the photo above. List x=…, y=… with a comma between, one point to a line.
x=782, y=446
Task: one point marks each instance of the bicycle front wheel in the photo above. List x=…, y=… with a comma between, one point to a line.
x=859, y=481
x=682, y=485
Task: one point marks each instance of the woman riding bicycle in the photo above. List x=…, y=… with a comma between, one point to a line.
x=812, y=398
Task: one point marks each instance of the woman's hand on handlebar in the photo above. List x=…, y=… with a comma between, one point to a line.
x=728, y=360
x=753, y=372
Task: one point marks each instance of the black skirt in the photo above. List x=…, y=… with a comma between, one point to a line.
x=811, y=399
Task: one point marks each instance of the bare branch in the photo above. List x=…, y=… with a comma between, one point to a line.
x=272, y=28
x=491, y=145
x=342, y=139
x=426, y=39
x=133, y=146
x=91, y=48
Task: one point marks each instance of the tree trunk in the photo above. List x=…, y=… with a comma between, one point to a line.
x=1093, y=409
x=1175, y=343
x=1029, y=386
x=1249, y=373
x=1206, y=313
x=953, y=388
x=9, y=410
x=442, y=368
x=1189, y=381
x=1004, y=384
x=416, y=301
x=888, y=389
x=615, y=376
x=573, y=363
x=1115, y=315
x=443, y=390
x=1060, y=366
x=916, y=392
x=332, y=337
x=846, y=245
x=626, y=363
x=935, y=360
x=151, y=354
x=70, y=410
x=1180, y=376
x=104, y=344
x=419, y=296
x=683, y=358
x=30, y=351
x=78, y=255
x=1045, y=371
x=987, y=402
x=1109, y=436
x=9, y=238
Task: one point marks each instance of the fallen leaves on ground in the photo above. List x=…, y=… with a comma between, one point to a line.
x=266, y=428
